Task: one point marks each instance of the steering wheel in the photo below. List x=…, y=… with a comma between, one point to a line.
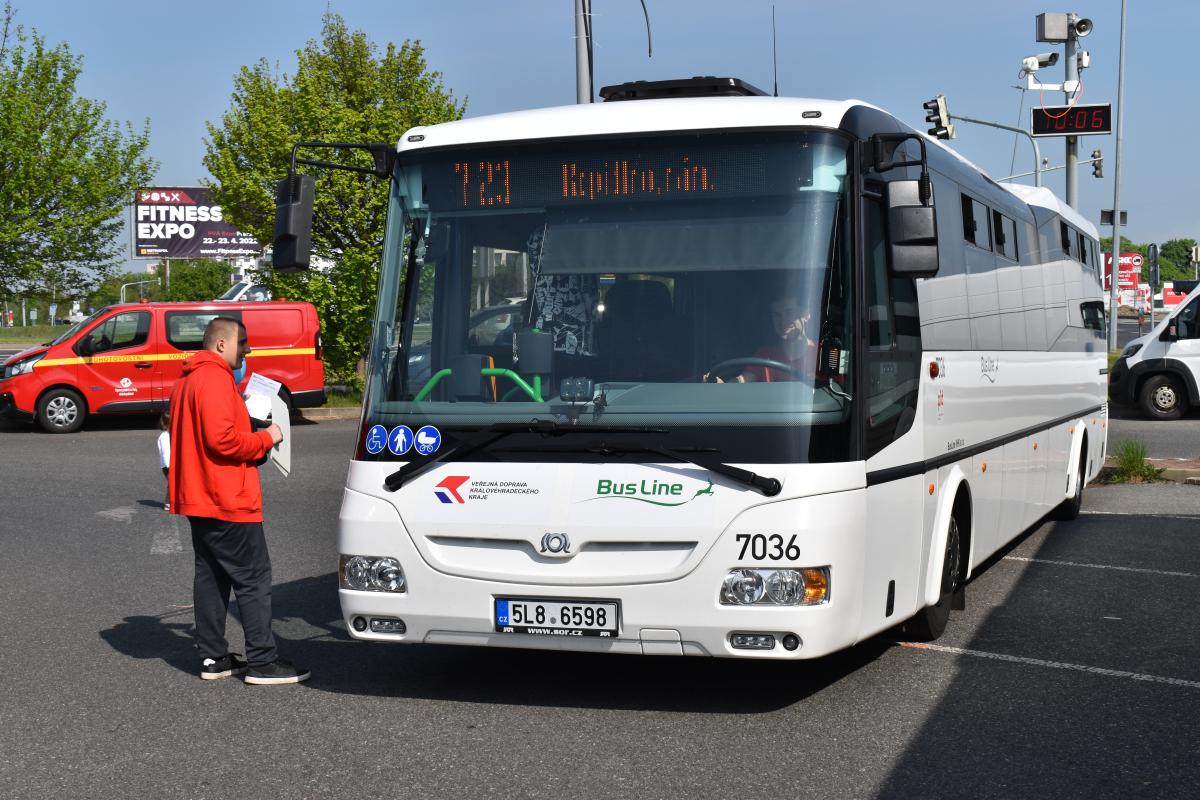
x=726, y=367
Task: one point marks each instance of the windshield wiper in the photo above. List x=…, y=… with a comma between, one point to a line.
x=768, y=486
x=495, y=433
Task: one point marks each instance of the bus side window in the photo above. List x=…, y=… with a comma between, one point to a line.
x=893, y=340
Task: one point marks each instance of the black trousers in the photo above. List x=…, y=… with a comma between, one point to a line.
x=232, y=555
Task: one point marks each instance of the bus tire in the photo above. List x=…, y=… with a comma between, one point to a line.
x=1162, y=397
x=930, y=622
x=1069, y=509
x=61, y=410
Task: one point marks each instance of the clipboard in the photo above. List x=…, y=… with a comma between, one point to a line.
x=281, y=454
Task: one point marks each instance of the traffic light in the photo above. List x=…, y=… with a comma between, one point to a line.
x=935, y=112
x=1097, y=164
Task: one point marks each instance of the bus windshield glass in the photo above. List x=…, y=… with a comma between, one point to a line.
x=699, y=285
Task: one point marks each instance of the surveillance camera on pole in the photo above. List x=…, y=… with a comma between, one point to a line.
x=1034, y=63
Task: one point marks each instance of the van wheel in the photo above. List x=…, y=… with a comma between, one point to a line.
x=1162, y=397
x=930, y=622
x=61, y=411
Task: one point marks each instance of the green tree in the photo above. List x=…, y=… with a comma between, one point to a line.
x=197, y=279
x=68, y=172
x=108, y=291
x=346, y=90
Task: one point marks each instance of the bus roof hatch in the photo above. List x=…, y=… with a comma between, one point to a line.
x=703, y=86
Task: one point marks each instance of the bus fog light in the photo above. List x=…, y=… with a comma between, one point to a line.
x=752, y=641
x=359, y=624
x=387, y=625
x=743, y=587
x=791, y=641
x=785, y=587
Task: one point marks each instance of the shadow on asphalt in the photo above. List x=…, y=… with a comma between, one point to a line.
x=1002, y=729
x=483, y=675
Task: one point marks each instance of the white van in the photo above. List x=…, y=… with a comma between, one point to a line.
x=244, y=291
x=1160, y=372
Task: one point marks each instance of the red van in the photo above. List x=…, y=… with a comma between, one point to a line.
x=126, y=359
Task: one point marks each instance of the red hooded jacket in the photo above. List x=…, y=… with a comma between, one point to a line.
x=214, y=452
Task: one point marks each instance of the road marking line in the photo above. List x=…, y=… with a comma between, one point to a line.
x=1038, y=662
x=122, y=514
x=1191, y=517
x=1101, y=566
x=167, y=540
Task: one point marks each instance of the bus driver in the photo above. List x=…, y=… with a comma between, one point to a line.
x=794, y=347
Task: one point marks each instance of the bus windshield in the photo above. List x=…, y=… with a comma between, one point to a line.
x=699, y=285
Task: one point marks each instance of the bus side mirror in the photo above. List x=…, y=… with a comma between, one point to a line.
x=912, y=230
x=293, y=223
x=86, y=346
x=1169, y=334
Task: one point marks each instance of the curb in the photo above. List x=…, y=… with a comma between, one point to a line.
x=1172, y=468
x=341, y=412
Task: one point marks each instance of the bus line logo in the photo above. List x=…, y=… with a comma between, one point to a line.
x=448, y=489
x=656, y=493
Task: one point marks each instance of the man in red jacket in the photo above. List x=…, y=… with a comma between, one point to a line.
x=214, y=482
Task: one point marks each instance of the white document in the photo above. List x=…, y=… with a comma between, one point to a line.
x=259, y=395
x=281, y=454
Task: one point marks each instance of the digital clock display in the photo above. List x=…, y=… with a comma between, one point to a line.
x=633, y=172
x=1071, y=120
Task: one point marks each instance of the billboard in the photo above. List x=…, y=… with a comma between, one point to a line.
x=183, y=222
x=1129, y=273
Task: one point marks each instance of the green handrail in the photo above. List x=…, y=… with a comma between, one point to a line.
x=534, y=392
x=432, y=382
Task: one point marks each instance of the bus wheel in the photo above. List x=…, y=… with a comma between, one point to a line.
x=1162, y=397
x=930, y=622
x=1069, y=509
x=61, y=411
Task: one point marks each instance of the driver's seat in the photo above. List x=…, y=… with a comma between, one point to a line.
x=638, y=336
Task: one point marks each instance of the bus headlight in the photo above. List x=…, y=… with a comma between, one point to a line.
x=743, y=587
x=371, y=574
x=807, y=586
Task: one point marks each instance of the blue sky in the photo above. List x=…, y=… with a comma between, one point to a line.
x=173, y=62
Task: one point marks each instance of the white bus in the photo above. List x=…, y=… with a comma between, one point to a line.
x=786, y=374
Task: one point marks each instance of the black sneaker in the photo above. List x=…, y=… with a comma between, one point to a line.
x=278, y=671
x=212, y=669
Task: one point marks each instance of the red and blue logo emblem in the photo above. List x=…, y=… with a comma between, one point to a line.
x=447, y=490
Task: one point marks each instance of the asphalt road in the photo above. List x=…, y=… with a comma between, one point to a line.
x=1073, y=672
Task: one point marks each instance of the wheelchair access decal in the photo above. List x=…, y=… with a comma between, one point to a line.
x=428, y=440
x=377, y=439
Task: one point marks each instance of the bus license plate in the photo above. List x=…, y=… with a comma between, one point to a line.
x=556, y=617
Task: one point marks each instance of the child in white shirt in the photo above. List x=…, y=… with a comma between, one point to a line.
x=164, y=451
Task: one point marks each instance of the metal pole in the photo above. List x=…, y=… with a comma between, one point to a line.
x=1072, y=141
x=1116, y=242
x=1037, y=152
x=583, y=45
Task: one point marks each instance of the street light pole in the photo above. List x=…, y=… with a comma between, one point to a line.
x=1073, y=82
x=1116, y=242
